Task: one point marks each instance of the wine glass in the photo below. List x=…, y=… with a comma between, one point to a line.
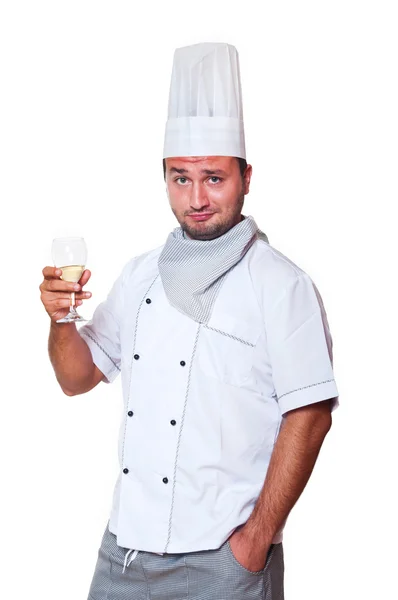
x=70, y=255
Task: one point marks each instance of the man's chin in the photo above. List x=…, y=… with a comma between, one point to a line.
x=204, y=231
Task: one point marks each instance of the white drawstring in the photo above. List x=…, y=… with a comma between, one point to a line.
x=133, y=556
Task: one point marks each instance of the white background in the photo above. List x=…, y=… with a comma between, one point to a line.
x=83, y=104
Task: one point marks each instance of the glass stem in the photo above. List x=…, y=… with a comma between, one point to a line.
x=72, y=302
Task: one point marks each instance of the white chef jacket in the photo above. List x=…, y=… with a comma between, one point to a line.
x=203, y=403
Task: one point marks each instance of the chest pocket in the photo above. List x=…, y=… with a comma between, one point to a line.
x=226, y=349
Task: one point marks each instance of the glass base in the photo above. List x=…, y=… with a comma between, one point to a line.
x=72, y=317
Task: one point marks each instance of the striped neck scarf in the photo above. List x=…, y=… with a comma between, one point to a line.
x=192, y=271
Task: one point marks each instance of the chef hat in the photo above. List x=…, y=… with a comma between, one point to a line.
x=205, y=104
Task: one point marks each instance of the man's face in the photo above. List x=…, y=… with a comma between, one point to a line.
x=206, y=193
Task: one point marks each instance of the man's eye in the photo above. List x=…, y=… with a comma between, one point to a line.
x=181, y=180
x=215, y=179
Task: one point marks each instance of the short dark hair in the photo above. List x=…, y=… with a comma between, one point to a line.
x=242, y=166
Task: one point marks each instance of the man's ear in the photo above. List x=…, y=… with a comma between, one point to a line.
x=247, y=175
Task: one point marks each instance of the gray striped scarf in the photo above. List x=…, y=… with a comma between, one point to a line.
x=192, y=271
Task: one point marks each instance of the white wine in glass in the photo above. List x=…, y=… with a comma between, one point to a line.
x=70, y=255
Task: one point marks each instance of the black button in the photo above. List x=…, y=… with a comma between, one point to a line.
x=136, y=356
x=125, y=470
x=165, y=480
x=148, y=300
x=173, y=422
x=182, y=363
x=130, y=413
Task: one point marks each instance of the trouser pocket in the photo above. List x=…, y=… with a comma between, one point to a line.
x=267, y=560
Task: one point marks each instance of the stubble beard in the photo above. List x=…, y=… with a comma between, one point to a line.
x=210, y=231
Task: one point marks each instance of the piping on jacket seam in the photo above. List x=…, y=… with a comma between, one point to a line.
x=234, y=337
x=101, y=348
x=132, y=361
x=305, y=387
x=179, y=436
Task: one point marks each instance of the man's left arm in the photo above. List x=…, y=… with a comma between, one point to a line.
x=293, y=458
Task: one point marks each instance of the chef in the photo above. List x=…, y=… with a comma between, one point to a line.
x=225, y=356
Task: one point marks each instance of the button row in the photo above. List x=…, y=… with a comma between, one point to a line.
x=172, y=422
x=165, y=479
x=130, y=412
x=182, y=362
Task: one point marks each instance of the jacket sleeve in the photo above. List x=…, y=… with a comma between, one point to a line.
x=300, y=347
x=102, y=332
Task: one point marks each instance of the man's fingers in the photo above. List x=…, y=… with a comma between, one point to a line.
x=85, y=277
x=56, y=293
x=59, y=303
x=58, y=285
x=51, y=272
x=62, y=295
x=55, y=273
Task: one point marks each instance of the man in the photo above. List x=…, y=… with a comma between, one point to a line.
x=225, y=355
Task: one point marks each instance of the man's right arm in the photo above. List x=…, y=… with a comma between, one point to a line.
x=70, y=356
x=72, y=360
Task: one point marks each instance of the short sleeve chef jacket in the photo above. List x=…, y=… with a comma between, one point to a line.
x=203, y=403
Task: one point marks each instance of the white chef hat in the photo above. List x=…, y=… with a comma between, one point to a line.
x=205, y=116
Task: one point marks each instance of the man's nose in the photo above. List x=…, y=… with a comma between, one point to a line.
x=198, y=198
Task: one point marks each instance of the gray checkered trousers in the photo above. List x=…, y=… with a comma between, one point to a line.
x=203, y=575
